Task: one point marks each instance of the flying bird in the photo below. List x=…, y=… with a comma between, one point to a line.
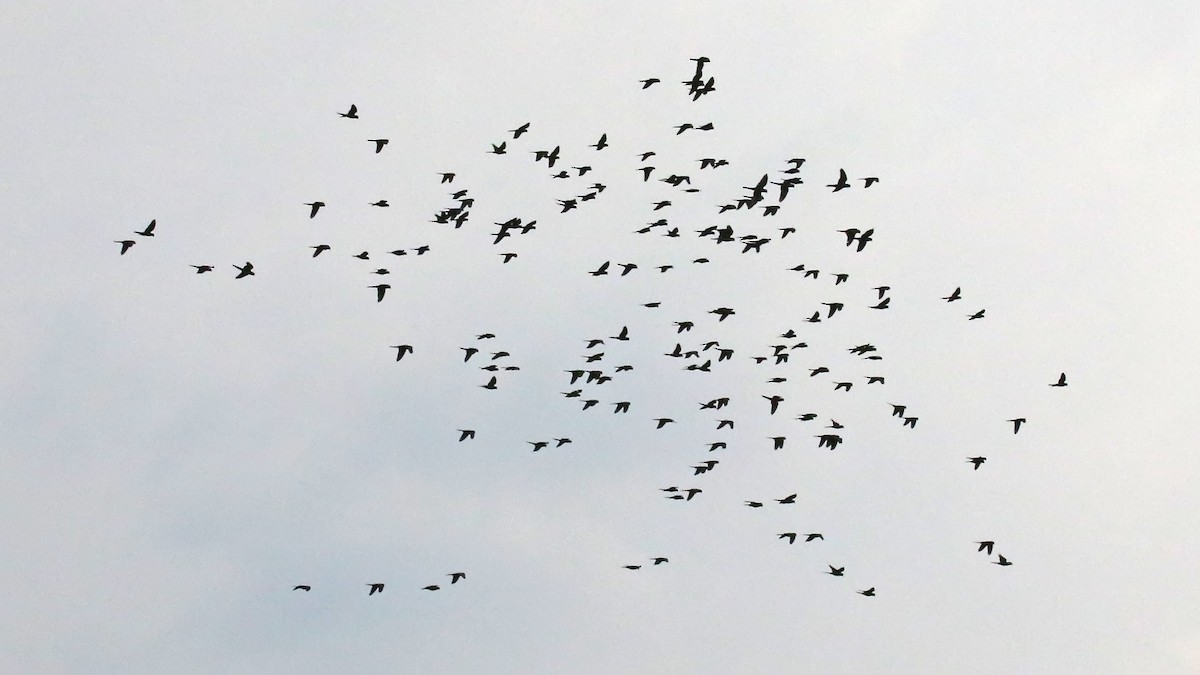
x=842, y=182
x=519, y=130
x=201, y=269
x=956, y=295
x=302, y=587
x=149, y=231
x=375, y=588
x=125, y=245
x=836, y=571
x=1017, y=423
x=1062, y=381
x=986, y=546
x=352, y=113
x=401, y=350
x=977, y=461
x=380, y=289
x=456, y=576
x=379, y=143
x=870, y=592
x=246, y=270
x=316, y=206
x=464, y=434
x=1003, y=562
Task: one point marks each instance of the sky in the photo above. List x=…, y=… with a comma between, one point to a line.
x=180, y=450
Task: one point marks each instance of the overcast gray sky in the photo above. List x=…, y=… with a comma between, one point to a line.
x=180, y=450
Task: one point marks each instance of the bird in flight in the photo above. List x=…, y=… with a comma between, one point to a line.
x=1017, y=423
x=149, y=231
x=456, y=576
x=201, y=269
x=375, y=588
x=352, y=113
x=956, y=295
x=302, y=587
x=649, y=81
x=246, y=270
x=775, y=401
x=431, y=587
x=401, y=350
x=379, y=143
x=870, y=592
x=380, y=290
x=790, y=536
x=1003, y=562
x=986, y=546
x=464, y=434
x=600, y=144
x=316, y=206
x=1062, y=381
x=519, y=130
x=814, y=535
x=977, y=461
x=836, y=571
x=976, y=315
x=842, y=182
x=790, y=499
x=125, y=245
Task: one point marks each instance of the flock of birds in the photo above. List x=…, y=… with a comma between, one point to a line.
x=704, y=356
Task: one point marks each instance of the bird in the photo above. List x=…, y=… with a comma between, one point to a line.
x=775, y=401
x=519, y=130
x=302, y=587
x=149, y=231
x=464, y=434
x=600, y=144
x=352, y=113
x=498, y=149
x=447, y=177
x=491, y=383
x=692, y=492
x=380, y=289
x=836, y=571
x=813, y=536
x=1003, y=562
x=986, y=546
x=842, y=182
x=431, y=587
x=790, y=536
x=870, y=592
x=956, y=295
x=316, y=206
x=663, y=421
x=869, y=181
x=375, y=588
x=382, y=203
x=649, y=81
x=977, y=461
x=754, y=505
x=125, y=245
x=1017, y=423
x=600, y=271
x=201, y=269
x=559, y=442
x=660, y=560
x=455, y=577
x=777, y=441
x=379, y=143
x=790, y=499
x=1062, y=381
x=622, y=407
x=883, y=304
x=246, y=270
x=632, y=567
x=401, y=350
x=538, y=445
x=976, y=315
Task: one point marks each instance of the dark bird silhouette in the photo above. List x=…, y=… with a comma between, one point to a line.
x=447, y=177
x=600, y=144
x=790, y=499
x=379, y=143
x=842, y=182
x=316, y=206
x=977, y=461
x=125, y=245
x=986, y=546
x=600, y=271
x=375, y=588
x=380, y=289
x=464, y=434
x=790, y=536
x=796, y=164
x=976, y=315
x=692, y=492
x=836, y=571
x=775, y=401
x=813, y=372
x=842, y=385
x=498, y=149
x=1062, y=381
x=302, y=588
x=633, y=567
x=470, y=351
x=956, y=295
x=149, y=231
x=1017, y=423
x=870, y=592
x=362, y=256
x=754, y=505
x=869, y=181
x=883, y=304
x=201, y=269
x=246, y=270
x=829, y=440
x=910, y=422
x=621, y=407
x=777, y=441
x=401, y=350
x=508, y=256
x=538, y=445
x=559, y=442
x=519, y=130
x=722, y=312
x=721, y=424
x=352, y=113
x=662, y=421
x=382, y=203
x=649, y=81
x=491, y=383
x=659, y=560
x=455, y=577
x=430, y=587
x=1003, y=562
x=811, y=536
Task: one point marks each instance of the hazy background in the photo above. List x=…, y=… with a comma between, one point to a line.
x=179, y=450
